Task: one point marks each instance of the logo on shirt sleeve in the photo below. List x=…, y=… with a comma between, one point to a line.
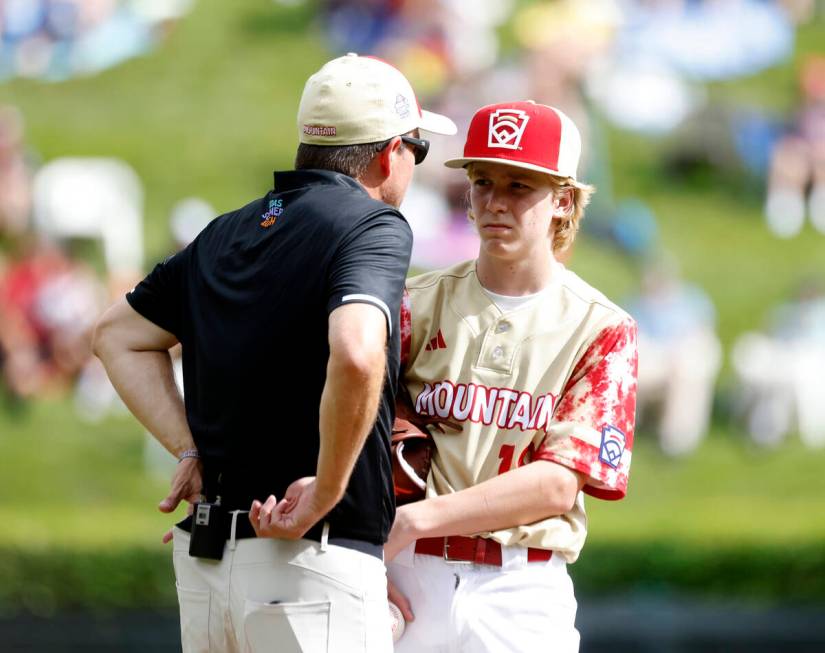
x=613, y=443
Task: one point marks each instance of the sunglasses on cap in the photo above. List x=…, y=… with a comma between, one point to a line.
x=420, y=147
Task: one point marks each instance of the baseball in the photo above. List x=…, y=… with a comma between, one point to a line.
x=398, y=622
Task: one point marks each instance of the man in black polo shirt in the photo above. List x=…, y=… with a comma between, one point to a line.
x=287, y=310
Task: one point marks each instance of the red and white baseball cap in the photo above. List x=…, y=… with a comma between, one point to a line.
x=353, y=100
x=523, y=134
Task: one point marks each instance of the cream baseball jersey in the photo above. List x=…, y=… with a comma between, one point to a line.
x=554, y=380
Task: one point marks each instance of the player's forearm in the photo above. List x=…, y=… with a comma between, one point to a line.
x=349, y=404
x=521, y=496
x=145, y=381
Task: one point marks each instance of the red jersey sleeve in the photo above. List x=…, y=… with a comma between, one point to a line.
x=405, y=328
x=592, y=426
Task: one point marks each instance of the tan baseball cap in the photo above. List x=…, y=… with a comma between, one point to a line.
x=354, y=100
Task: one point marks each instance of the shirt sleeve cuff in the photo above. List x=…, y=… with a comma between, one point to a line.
x=370, y=299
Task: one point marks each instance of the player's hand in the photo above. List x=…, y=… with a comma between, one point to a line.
x=403, y=532
x=291, y=517
x=187, y=483
x=395, y=595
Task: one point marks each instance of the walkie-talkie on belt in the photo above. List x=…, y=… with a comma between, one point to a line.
x=209, y=528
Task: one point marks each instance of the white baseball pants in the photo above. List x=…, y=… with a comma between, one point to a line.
x=520, y=607
x=280, y=595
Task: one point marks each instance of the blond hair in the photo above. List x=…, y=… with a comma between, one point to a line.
x=568, y=226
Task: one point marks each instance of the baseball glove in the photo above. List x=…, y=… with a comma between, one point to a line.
x=412, y=449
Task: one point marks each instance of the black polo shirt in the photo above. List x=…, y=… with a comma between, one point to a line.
x=249, y=300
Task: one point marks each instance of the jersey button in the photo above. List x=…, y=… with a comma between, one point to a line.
x=498, y=352
x=503, y=327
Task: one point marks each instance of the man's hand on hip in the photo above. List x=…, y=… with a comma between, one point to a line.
x=291, y=517
x=187, y=483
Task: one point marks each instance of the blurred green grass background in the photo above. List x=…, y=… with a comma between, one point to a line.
x=211, y=113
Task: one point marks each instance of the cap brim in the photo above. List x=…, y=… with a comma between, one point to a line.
x=462, y=163
x=437, y=124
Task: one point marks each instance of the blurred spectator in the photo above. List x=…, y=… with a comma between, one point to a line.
x=100, y=199
x=49, y=298
x=708, y=39
x=58, y=39
x=433, y=41
x=679, y=356
x=15, y=174
x=358, y=25
x=780, y=372
x=48, y=305
x=798, y=161
x=665, y=50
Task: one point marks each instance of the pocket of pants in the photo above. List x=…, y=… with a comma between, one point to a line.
x=194, y=619
x=287, y=627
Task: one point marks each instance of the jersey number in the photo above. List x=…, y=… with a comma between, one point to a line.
x=507, y=452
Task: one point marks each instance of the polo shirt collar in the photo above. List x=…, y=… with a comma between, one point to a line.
x=292, y=179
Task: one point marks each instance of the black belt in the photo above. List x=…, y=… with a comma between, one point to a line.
x=244, y=530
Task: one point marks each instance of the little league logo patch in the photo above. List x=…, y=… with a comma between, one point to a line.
x=507, y=128
x=613, y=443
x=276, y=207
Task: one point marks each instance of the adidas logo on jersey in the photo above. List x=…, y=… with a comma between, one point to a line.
x=436, y=343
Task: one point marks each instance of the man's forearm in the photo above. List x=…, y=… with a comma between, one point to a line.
x=146, y=383
x=135, y=353
x=349, y=404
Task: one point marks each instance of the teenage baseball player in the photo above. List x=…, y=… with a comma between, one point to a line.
x=539, y=370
